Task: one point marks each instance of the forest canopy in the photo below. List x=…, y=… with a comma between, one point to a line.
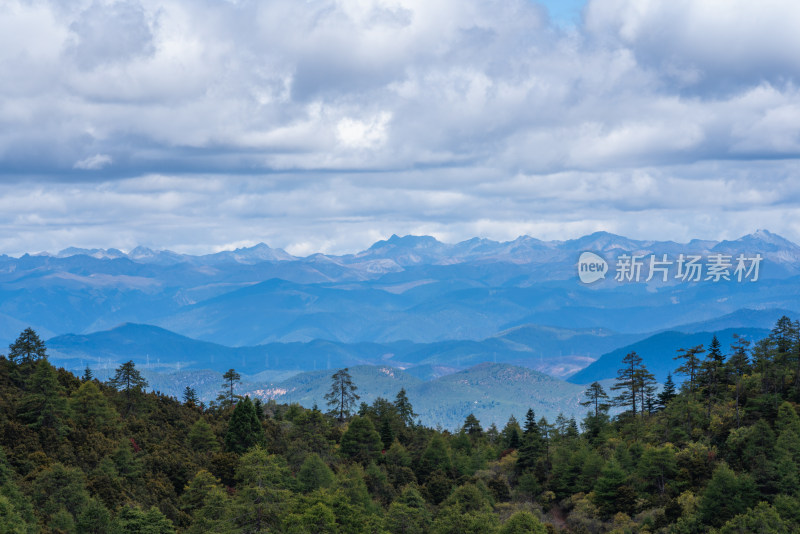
x=714, y=448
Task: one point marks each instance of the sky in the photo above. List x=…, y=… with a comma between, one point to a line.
x=325, y=125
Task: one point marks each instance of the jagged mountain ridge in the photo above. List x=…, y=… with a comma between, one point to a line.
x=403, y=288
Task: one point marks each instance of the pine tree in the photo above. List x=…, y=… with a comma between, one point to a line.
x=691, y=365
x=404, y=408
x=190, y=397
x=342, y=396
x=782, y=339
x=628, y=381
x=532, y=444
x=646, y=386
x=726, y=496
x=594, y=397
x=386, y=432
x=226, y=395
x=512, y=434
x=87, y=375
x=244, y=428
x=712, y=371
x=43, y=404
x=361, y=442
x=472, y=426
x=667, y=393
x=611, y=492
x=530, y=423
x=738, y=365
x=127, y=378
x=27, y=348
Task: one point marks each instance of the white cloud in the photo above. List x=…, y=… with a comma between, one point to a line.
x=354, y=133
x=335, y=122
x=93, y=163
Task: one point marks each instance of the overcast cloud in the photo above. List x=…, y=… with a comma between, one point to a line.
x=325, y=125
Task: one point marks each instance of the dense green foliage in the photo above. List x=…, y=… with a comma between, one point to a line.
x=720, y=452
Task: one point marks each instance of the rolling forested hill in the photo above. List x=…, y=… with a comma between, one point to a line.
x=719, y=454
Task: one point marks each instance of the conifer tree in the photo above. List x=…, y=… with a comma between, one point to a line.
x=691, y=365
x=127, y=378
x=27, y=348
x=404, y=408
x=314, y=474
x=646, y=385
x=226, y=396
x=532, y=444
x=43, y=404
x=472, y=426
x=244, y=428
x=343, y=395
x=712, y=371
x=667, y=393
x=190, y=397
x=361, y=442
x=738, y=365
x=530, y=423
x=512, y=433
x=628, y=382
x=594, y=397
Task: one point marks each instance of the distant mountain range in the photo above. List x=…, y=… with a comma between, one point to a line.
x=411, y=288
x=429, y=310
x=556, y=351
x=446, y=380
x=397, y=252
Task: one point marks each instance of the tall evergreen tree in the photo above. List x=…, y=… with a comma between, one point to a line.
x=530, y=423
x=87, y=374
x=226, y=396
x=667, y=393
x=628, y=381
x=595, y=394
x=472, y=427
x=127, y=378
x=404, y=408
x=190, y=397
x=244, y=428
x=738, y=366
x=342, y=396
x=512, y=433
x=646, y=386
x=691, y=364
x=43, y=404
x=27, y=348
x=361, y=442
x=532, y=444
x=712, y=371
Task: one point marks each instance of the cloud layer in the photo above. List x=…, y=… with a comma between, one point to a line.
x=324, y=125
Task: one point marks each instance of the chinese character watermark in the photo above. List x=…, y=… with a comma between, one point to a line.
x=685, y=268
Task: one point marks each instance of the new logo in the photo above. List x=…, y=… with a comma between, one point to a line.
x=591, y=267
